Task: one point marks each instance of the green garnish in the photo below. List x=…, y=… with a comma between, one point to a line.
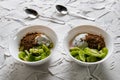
x=34, y=54
x=87, y=54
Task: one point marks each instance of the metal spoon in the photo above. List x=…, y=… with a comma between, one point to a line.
x=63, y=10
x=33, y=14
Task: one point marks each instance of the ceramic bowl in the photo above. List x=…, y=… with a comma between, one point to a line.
x=14, y=42
x=93, y=29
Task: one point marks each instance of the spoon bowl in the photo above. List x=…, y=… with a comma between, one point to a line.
x=32, y=14
x=63, y=10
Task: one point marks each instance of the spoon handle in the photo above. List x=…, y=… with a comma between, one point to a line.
x=54, y=20
x=81, y=16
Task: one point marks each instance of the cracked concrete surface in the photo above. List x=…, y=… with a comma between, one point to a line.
x=12, y=18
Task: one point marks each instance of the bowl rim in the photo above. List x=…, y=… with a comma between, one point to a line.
x=25, y=28
x=93, y=26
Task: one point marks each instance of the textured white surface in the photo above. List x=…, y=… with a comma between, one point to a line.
x=12, y=18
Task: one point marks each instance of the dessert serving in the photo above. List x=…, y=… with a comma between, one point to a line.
x=35, y=46
x=88, y=47
x=88, y=44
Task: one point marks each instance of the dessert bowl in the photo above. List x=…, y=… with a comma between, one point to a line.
x=91, y=29
x=15, y=41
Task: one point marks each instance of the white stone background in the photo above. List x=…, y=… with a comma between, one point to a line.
x=12, y=19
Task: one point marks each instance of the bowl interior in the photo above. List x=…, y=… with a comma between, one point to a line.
x=15, y=40
x=88, y=29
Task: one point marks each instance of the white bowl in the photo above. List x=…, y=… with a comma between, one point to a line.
x=89, y=29
x=14, y=42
